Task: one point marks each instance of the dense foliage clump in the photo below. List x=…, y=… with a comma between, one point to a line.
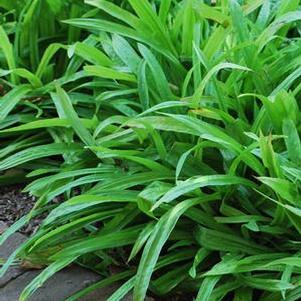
x=171, y=132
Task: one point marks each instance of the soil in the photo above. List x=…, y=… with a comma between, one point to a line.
x=14, y=204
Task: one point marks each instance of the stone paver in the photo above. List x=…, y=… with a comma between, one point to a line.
x=59, y=287
x=5, y=250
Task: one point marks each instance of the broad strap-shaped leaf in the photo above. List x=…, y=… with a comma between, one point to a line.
x=154, y=246
x=198, y=182
x=64, y=105
x=37, y=152
x=11, y=99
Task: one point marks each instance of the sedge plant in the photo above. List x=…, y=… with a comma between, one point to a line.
x=169, y=131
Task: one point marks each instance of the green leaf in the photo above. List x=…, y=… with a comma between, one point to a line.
x=101, y=284
x=199, y=182
x=99, y=242
x=92, y=54
x=62, y=102
x=143, y=86
x=287, y=190
x=154, y=245
x=37, y=152
x=126, y=53
x=164, y=10
x=24, y=73
x=11, y=99
x=292, y=141
x=123, y=290
x=207, y=288
x=7, y=49
x=109, y=73
x=200, y=89
x=157, y=73
x=143, y=237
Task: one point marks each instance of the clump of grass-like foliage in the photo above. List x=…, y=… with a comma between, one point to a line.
x=171, y=131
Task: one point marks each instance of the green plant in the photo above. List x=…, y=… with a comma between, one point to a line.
x=172, y=131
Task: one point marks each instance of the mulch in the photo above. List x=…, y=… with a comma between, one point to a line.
x=14, y=204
